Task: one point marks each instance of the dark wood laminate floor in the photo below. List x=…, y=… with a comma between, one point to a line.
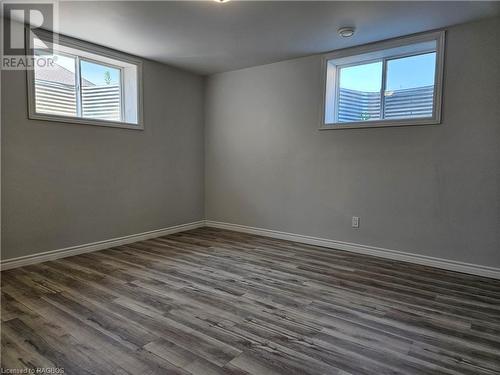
x=210, y=301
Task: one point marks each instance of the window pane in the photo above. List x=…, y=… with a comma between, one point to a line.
x=410, y=86
x=101, y=91
x=359, y=92
x=55, y=88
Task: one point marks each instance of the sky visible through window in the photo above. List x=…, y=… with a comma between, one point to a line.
x=92, y=72
x=411, y=72
x=99, y=74
x=365, y=77
x=403, y=73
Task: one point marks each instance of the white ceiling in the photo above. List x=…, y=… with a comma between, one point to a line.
x=208, y=37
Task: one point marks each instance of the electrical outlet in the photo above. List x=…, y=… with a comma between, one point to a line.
x=355, y=222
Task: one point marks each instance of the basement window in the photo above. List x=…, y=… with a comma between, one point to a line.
x=392, y=83
x=77, y=82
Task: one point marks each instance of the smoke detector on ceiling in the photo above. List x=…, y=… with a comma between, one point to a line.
x=346, y=32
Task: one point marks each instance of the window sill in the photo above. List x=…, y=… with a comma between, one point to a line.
x=85, y=121
x=379, y=124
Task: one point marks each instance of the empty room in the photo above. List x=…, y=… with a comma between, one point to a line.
x=250, y=187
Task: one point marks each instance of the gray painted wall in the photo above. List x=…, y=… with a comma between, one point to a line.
x=67, y=184
x=432, y=190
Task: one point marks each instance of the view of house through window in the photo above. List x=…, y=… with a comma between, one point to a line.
x=55, y=87
x=84, y=87
x=96, y=94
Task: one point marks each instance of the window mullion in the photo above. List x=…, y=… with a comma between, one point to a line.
x=382, y=91
x=78, y=88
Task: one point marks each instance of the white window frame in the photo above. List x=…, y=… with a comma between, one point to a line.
x=93, y=51
x=380, y=51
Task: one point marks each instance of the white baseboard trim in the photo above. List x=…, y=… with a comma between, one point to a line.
x=473, y=269
x=95, y=246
